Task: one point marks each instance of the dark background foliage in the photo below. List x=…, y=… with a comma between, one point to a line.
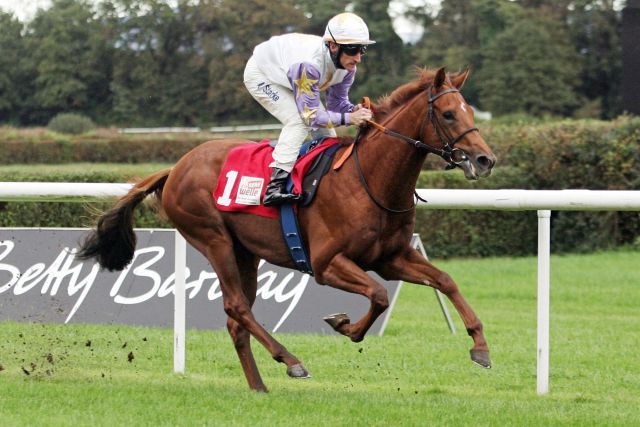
x=143, y=62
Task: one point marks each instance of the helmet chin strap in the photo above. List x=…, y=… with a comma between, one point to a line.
x=335, y=57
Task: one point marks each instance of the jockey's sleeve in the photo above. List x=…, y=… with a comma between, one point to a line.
x=304, y=78
x=338, y=95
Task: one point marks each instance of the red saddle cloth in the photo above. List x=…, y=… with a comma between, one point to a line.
x=246, y=173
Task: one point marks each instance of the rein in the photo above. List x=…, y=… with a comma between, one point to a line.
x=452, y=155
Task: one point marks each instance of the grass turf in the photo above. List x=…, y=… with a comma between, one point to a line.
x=416, y=374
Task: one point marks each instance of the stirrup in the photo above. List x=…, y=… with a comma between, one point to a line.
x=276, y=194
x=277, y=199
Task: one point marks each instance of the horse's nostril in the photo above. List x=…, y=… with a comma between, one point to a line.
x=485, y=162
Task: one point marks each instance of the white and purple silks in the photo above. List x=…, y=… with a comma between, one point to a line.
x=287, y=75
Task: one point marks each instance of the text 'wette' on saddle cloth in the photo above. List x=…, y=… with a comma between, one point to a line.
x=245, y=174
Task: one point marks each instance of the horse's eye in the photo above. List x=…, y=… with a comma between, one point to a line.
x=448, y=115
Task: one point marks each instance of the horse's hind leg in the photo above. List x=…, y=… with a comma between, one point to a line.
x=221, y=254
x=248, y=266
x=412, y=267
x=242, y=343
x=238, y=293
x=247, y=285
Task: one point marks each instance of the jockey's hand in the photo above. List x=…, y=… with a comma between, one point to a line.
x=360, y=116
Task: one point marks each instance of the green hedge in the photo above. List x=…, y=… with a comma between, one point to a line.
x=53, y=214
x=68, y=215
x=89, y=150
x=592, y=155
x=569, y=154
x=29, y=147
x=80, y=172
x=449, y=233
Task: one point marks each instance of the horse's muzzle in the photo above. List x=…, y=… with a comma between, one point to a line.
x=478, y=166
x=485, y=164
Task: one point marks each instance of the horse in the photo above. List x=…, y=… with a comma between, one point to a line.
x=362, y=217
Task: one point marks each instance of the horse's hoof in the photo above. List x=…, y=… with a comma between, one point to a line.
x=298, y=371
x=337, y=320
x=481, y=358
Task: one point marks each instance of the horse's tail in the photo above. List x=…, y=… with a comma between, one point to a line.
x=112, y=243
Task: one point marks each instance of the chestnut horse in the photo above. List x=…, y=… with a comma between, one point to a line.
x=362, y=218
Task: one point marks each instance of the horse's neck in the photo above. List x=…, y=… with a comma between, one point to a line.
x=392, y=166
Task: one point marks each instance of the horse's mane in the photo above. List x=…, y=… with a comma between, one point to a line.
x=402, y=94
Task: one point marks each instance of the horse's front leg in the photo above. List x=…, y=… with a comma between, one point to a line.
x=342, y=273
x=411, y=266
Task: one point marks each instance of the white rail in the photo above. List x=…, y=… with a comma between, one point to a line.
x=543, y=201
x=59, y=191
x=576, y=200
x=566, y=200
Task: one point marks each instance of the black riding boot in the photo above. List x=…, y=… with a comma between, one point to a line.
x=276, y=192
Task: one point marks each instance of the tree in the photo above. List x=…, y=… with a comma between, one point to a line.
x=231, y=30
x=72, y=69
x=532, y=68
x=595, y=28
x=386, y=63
x=14, y=78
x=160, y=70
x=153, y=62
x=318, y=13
x=458, y=36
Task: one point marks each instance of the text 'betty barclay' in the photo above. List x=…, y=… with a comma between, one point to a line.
x=66, y=272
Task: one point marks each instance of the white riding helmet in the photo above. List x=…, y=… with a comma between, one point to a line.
x=347, y=28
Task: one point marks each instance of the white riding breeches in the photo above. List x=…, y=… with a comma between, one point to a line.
x=280, y=102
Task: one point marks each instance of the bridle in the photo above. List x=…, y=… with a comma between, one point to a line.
x=452, y=155
x=448, y=151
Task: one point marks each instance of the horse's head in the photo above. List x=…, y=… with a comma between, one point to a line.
x=453, y=130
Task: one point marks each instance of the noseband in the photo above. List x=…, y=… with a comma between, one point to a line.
x=452, y=155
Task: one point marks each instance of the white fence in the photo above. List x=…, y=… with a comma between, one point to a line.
x=543, y=201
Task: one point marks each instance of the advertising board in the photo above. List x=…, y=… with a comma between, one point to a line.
x=41, y=280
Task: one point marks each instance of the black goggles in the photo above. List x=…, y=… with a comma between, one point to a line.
x=353, y=49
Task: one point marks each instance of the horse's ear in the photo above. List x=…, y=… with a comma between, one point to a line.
x=374, y=108
x=441, y=76
x=459, y=79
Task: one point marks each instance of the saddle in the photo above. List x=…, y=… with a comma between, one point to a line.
x=318, y=169
x=244, y=175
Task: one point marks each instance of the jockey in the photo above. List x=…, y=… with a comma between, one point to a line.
x=286, y=75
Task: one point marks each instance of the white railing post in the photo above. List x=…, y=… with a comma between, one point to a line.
x=179, y=308
x=544, y=260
